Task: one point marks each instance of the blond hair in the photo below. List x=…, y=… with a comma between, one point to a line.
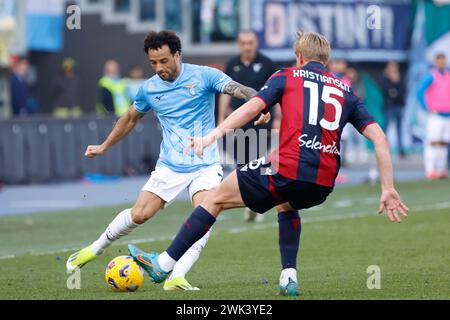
x=312, y=46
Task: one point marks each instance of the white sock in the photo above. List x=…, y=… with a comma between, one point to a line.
x=430, y=157
x=186, y=262
x=435, y=157
x=286, y=274
x=119, y=227
x=166, y=262
x=427, y=159
x=441, y=159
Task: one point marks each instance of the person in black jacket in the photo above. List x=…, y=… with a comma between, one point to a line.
x=393, y=89
x=252, y=69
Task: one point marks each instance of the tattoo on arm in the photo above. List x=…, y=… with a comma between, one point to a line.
x=240, y=91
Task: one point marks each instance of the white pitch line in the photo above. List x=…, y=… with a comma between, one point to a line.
x=46, y=204
x=10, y=256
x=343, y=203
x=370, y=200
x=434, y=207
x=139, y=241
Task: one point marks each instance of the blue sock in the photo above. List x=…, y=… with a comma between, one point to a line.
x=195, y=227
x=290, y=228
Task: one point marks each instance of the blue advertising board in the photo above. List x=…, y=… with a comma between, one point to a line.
x=357, y=30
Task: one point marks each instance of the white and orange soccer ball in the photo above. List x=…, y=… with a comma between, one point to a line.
x=123, y=274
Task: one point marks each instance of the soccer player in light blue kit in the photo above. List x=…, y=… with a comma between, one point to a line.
x=182, y=96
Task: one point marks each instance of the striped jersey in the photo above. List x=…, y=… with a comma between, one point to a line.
x=315, y=107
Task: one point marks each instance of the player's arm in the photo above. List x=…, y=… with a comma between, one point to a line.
x=390, y=199
x=237, y=90
x=237, y=119
x=124, y=125
x=268, y=96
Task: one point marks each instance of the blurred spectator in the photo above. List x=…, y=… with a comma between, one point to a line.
x=356, y=141
x=359, y=141
x=22, y=101
x=134, y=81
x=434, y=96
x=393, y=89
x=113, y=91
x=66, y=92
x=357, y=85
x=339, y=68
x=252, y=69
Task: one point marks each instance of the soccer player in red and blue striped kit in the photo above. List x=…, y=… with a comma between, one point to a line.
x=301, y=173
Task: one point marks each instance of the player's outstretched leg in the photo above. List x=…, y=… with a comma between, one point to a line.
x=289, y=225
x=123, y=224
x=80, y=258
x=149, y=262
x=158, y=266
x=225, y=196
x=177, y=280
x=120, y=226
x=198, y=189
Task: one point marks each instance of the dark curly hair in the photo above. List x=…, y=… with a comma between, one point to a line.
x=156, y=40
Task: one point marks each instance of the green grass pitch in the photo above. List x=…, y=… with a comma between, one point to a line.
x=339, y=241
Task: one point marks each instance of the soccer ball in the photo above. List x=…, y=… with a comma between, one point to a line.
x=123, y=274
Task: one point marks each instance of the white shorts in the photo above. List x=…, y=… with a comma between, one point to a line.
x=167, y=184
x=438, y=128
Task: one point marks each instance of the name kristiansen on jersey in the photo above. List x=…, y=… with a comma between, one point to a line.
x=318, y=77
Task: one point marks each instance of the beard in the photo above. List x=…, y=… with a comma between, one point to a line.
x=168, y=75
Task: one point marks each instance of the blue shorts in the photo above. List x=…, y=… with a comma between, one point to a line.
x=261, y=189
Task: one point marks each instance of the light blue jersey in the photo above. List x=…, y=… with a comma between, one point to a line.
x=184, y=107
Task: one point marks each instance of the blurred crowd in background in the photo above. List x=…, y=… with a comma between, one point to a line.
x=65, y=75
